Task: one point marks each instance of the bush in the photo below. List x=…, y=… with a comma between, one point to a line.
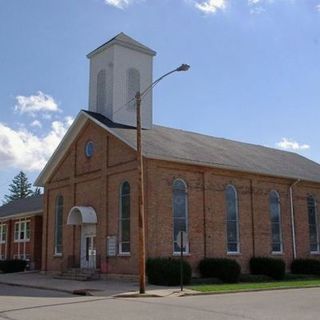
x=227, y=270
x=9, y=266
x=272, y=267
x=306, y=266
x=166, y=271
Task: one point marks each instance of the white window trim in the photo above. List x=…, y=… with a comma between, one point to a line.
x=315, y=252
x=186, y=252
x=238, y=251
x=20, y=222
x=120, y=252
x=2, y=225
x=280, y=252
x=56, y=253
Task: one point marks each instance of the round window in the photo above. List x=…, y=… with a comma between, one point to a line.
x=89, y=149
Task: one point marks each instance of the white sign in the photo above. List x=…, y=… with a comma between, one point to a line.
x=111, y=246
x=184, y=239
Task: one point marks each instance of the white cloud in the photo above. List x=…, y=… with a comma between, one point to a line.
x=253, y=2
x=22, y=149
x=121, y=4
x=318, y=7
x=211, y=6
x=36, y=123
x=40, y=102
x=290, y=144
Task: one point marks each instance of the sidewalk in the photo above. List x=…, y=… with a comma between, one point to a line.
x=104, y=288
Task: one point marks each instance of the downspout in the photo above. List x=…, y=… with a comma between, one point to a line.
x=293, y=231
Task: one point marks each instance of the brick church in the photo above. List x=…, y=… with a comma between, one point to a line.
x=233, y=199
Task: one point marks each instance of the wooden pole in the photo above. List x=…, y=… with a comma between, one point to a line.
x=142, y=254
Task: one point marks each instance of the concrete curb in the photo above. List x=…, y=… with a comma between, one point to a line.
x=36, y=287
x=198, y=293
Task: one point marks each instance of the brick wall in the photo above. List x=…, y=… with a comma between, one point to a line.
x=30, y=248
x=96, y=181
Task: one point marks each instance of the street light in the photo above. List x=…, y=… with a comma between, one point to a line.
x=142, y=247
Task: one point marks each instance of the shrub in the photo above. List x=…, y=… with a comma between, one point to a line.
x=166, y=271
x=227, y=270
x=9, y=266
x=272, y=267
x=306, y=266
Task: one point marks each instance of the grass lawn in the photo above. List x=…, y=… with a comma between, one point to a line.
x=236, y=287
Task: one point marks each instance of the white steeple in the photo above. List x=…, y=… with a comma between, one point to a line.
x=118, y=69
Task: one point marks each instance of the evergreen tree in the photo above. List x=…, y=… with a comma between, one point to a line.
x=36, y=192
x=19, y=188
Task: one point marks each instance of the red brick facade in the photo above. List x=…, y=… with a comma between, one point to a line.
x=96, y=181
x=24, y=243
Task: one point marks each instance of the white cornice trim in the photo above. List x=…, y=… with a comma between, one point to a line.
x=22, y=214
x=57, y=155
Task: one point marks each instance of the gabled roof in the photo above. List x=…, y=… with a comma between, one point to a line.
x=193, y=148
x=124, y=41
x=29, y=205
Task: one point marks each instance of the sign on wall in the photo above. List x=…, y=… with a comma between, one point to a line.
x=111, y=246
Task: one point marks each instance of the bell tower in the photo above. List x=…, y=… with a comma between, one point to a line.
x=118, y=69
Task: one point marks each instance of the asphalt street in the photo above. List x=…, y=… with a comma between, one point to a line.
x=18, y=303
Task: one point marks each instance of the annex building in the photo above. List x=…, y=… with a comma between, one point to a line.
x=21, y=230
x=234, y=199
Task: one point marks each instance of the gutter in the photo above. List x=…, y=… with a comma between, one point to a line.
x=293, y=231
x=21, y=215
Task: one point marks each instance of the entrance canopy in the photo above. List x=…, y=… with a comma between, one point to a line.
x=82, y=215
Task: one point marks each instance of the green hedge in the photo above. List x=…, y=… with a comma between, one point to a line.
x=272, y=267
x=166, y=271
x=9, y=266
x=227, y=270
x=305, y=266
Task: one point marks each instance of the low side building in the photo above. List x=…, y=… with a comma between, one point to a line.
x=21, y=230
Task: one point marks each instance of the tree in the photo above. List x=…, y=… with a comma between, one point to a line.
x=37, y=192
x=19, y=188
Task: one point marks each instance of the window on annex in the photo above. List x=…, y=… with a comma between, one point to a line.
x=58, y=225
x=22, y=230
x=313, y=225
x=275, y=217
x=3, y=233
x=232, y=223
x=180, y=213
x=124, y=219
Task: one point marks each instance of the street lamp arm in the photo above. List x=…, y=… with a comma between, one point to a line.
x=141, y=224
x=183, y=67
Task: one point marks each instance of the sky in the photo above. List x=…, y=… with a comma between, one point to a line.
x=254, y=77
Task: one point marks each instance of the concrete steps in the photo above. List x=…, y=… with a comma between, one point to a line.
x=79, y=274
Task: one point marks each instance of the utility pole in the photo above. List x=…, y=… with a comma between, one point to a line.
x=142, y=244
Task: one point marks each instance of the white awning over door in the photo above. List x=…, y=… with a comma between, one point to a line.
x=82, y=215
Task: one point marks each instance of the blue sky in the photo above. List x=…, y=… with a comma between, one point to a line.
x=254, y=77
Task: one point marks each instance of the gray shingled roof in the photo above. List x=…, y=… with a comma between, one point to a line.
x=178, y=145
x=124, y=40
x=26, y=205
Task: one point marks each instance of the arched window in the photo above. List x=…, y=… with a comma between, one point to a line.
x=233, y=245
x=274, y=205
x=101, y=91
x=313, y=225
x=58, y=225
x=124, y=219
x=180, y=212
x=133, y=85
